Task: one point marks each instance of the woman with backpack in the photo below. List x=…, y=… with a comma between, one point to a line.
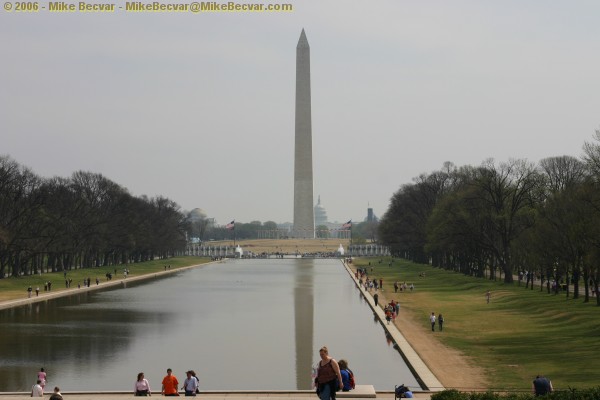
x=347, y=376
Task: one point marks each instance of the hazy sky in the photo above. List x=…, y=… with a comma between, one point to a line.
x=200, y=107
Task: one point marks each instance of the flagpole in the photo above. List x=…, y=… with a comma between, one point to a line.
x=350, y=235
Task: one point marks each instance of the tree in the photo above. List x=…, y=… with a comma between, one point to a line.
x=591, y=156
x=82, y=221
x=20, y=204
x=505, y=196
x=402, y=227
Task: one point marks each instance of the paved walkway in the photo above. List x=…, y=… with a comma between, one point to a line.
x=421, y=371
x=423, y=374
x=102, y=285
x=233, y=395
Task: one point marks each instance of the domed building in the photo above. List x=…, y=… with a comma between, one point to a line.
x=320, y=214
x=197, y=214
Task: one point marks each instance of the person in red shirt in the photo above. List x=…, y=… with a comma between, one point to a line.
x=170, y=384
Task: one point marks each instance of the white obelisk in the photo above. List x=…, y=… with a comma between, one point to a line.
x=304, y=217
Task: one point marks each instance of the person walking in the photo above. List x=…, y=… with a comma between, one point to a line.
x=441, y=322
x=432, y=320
x=329, y=377
x=42, y=377
x=376, y=299
x=488, y=295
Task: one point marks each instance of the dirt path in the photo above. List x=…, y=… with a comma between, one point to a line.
x=452, y=368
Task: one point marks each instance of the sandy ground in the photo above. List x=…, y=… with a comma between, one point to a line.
x=452, y=368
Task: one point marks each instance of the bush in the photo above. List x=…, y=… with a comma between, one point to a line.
x=571, y=394
x=451, y=394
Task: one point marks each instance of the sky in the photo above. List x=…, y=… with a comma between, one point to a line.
x=199, y=107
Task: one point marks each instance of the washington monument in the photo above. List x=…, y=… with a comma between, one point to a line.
x=304, y=217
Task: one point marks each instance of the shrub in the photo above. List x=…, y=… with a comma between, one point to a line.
x=571, y=394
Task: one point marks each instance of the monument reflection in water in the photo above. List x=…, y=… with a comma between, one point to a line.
x=248, y=324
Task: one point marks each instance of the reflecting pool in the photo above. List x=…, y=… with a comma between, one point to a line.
x=240, y=324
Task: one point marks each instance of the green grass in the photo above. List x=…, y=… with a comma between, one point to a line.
x=16, y=288
x=521, y=332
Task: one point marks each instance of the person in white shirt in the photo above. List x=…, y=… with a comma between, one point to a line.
x=190, y=384
x=142, y=387
x=37, y=390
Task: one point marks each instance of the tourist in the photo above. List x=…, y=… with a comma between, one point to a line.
x=29, y=290
x=37, y=390
x=376, y=299
x=56, y=395
x=142, y=386
x=542, y=385
x=432, y=320
x=403, y=392
x=190, y=384
x=42, y=377
x=329, y=378
x=197, y=380
x=396, y=287
x=441, y=322
x=347, y=376
x=170, y=384
x=37, y=291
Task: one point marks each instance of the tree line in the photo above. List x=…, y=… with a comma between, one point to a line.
x=516, y=218
x=82, y=221
x=87, y=220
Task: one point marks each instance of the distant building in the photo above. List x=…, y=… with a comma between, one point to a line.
x=320, y=214
x=371, y=217
x=198, y=215
x=199, y=223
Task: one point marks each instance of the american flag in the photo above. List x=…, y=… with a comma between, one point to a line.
x=230, y=225
x=347, y=225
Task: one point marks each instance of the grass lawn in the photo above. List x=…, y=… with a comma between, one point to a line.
x=521, y=332
x=16, y=288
